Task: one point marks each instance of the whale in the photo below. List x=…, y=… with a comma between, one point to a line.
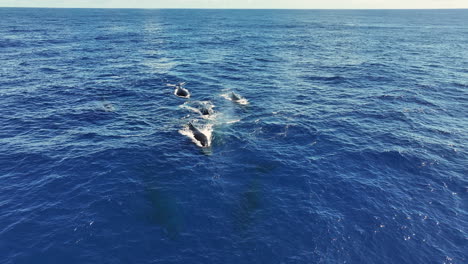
x=205, y=110
x=235, y=97
x=108, y=107
x=181, y=92
x=202, y=138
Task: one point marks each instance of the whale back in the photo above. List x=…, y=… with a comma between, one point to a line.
x=198, y=135
x=192, y=128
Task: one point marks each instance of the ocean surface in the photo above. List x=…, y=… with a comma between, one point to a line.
x=352, y=147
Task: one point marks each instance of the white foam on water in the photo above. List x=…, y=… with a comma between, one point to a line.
x=108, y=107
x=243, y=101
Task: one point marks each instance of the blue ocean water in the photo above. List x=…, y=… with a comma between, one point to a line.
x=352, y=148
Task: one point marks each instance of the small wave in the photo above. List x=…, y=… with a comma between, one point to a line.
x=460, y=84
x=89, y=116
x=48, y=53
x=104, y=75
x=9, y=43
x=136, y=135
x=229, y=68
x=291, y=133
x=405, y=161
x=54, y=41
x=267, y=60
x=102, y=38
x=16, y=30
x=390, y=97
x=232, y=77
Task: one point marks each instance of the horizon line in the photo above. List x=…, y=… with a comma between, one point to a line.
x=221, y=8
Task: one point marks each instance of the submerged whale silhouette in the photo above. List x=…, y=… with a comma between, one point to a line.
x=202, y=138
x=205, y=110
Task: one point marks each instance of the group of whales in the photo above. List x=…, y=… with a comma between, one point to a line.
x=204, y=110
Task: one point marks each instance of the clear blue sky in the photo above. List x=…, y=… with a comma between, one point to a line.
x=379, y=4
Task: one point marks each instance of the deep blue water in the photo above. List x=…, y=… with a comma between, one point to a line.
x=352, y=149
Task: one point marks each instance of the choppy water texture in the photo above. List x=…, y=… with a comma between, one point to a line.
x=352, y=147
